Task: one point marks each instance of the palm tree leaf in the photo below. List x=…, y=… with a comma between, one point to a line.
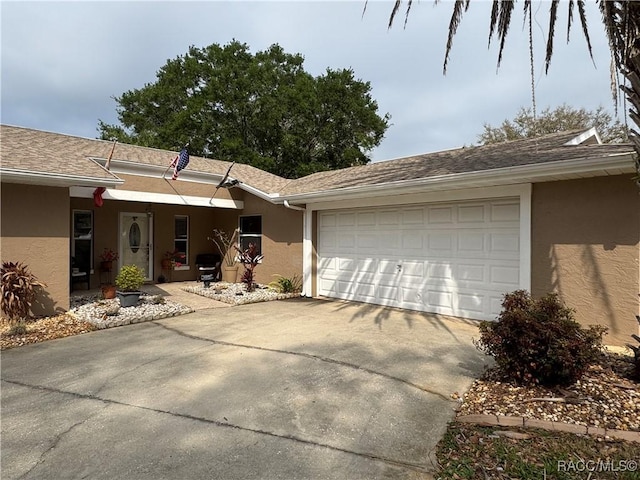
x=459, y=8
x=570, y=18
x=553, y=15
x=585, y=30
x=396, y=7
x=504, y=20
x=495, y=8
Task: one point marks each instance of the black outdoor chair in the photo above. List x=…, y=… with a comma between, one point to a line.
x=208, y=264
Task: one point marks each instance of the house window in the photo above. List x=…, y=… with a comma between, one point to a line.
x=251, y=232
x=82, y=244
x=181, y=238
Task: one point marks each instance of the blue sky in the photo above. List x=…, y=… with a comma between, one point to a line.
x=63, y=62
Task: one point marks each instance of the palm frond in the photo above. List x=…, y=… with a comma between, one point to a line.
x=495, y=9
x=459, y=8
x=396, y=7
x=585, y=30
x=570, y=18
x=504, y=20
x=553, y=16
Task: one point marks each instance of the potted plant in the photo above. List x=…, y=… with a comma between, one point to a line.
x=226, y=247
x=173, y=259
x=129, y=280
x=107, y=257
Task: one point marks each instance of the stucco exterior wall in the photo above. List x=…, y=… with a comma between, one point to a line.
x=585, y=246
x=281, y=239
x=35, y=230
x=281, y=243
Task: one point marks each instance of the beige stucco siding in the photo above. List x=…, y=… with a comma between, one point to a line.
x=281, y=239
x=585, y=246
x=35, y=230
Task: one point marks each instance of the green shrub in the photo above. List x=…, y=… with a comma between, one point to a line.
x=287, y=285
x=19, y=328
x=130, y=278
x=539, y=342
x=18, y=290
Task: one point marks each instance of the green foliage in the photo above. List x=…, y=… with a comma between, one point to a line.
x=287, y=285
x=18, y=289
x=538, y=341
x=561, y=119
x=262, y=109
x=130, y=278
x=19, y=328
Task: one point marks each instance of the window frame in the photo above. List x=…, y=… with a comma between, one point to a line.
x=77, y=237
x=177, y=239
x=242, y=235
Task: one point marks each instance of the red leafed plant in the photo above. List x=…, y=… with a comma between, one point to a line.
x=18, y=289
x=250, y=258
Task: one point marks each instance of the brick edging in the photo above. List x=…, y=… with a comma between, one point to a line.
x=505, y=421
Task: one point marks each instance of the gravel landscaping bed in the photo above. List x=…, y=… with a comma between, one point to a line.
x=605, y=397
x=236, y=294
x=109, y=313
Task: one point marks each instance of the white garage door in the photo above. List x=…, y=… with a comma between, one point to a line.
x=454, y=259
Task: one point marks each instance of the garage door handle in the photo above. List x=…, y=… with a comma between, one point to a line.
x=399, y=268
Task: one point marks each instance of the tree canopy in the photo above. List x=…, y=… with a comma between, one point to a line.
x=560, y=119
x=262, y=109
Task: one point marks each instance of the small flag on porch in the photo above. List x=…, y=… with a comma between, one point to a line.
x=179, y=163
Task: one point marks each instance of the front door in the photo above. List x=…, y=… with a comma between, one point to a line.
x=136, y=241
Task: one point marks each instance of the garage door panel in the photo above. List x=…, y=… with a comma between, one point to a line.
x=505, y=242
x=505, y=212
x=440, y=215
x=457, y=258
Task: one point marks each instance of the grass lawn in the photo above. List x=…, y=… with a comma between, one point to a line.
x=482, y=453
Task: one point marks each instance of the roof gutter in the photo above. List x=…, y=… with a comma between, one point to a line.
x=624, y=162
x=56, y=180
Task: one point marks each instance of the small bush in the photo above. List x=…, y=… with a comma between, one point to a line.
x=287, y=285
x=130, y=278
x=539, y=342
x=19, y=328
x=18, y=290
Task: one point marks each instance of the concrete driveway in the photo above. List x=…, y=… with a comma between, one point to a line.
x=279, y=390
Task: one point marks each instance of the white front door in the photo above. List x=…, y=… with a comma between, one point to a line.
x=136, y=241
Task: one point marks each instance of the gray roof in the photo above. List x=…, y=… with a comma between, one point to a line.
x=40, y=152
x=45, y=152
x=550, y=148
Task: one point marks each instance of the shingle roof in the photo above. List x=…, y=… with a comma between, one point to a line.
x=550, y=148
x=46, y=152
x=35, y=151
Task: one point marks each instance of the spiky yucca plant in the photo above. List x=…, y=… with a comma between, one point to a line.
x=18, y=289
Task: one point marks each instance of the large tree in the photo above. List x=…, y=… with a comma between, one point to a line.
x=621, y=21
x=261, y=109
x=560, y=119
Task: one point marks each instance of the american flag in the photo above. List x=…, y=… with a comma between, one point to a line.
x=179, y=163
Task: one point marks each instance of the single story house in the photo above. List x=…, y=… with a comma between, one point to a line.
x=447, y=232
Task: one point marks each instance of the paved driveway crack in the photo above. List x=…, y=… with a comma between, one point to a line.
x=390, y=461
x=312, y=357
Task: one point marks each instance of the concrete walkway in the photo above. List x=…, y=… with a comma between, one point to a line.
x=295, y=389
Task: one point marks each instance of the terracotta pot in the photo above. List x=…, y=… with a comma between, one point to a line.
x=166, y=264
x=230, y=274
x=108, y=291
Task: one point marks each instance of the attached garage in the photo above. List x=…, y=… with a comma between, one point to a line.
x=453, y=258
